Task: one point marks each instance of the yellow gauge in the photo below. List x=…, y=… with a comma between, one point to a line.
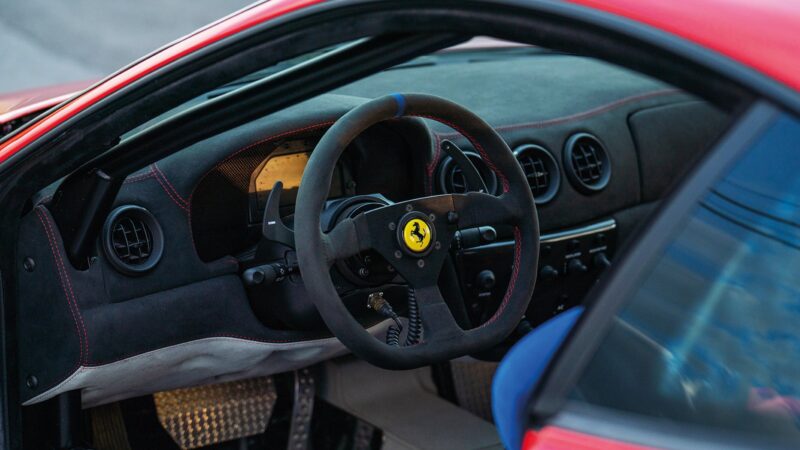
x=417, y=235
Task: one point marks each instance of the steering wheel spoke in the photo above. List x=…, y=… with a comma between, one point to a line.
x=345, y=240
x=476, y=209
x=438, y=321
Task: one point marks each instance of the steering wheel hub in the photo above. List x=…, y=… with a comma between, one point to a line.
x=416, y=234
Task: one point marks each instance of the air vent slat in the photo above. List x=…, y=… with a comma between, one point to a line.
x=541, y=170
x=133, y=240
x=587, y=163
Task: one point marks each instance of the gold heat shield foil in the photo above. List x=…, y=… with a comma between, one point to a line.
x=205, y=415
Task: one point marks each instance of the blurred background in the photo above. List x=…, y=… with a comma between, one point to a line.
x=46, y=42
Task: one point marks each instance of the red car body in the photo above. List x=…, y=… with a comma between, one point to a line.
x=761, y=35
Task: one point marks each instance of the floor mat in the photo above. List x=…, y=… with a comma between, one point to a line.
x=472, y=382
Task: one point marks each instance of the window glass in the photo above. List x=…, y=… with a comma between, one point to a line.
x=712, y=335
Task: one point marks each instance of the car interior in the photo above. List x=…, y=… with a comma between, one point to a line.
x=450, y=203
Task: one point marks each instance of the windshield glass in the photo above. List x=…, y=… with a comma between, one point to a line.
x=476, y=50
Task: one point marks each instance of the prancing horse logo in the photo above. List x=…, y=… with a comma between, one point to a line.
x=417, y=235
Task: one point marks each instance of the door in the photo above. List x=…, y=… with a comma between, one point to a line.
x=694, y=340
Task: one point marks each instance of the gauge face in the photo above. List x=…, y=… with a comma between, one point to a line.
x=287, y=167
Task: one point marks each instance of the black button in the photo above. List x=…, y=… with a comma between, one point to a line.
x=485, y=280
x=488, y=234
x=600, y=260
x=547, y=273
x=576, y=266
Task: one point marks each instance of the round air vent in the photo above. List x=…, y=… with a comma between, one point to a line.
x=541, y=170
x=132, y=240
x=451, y=179
x=586, y=163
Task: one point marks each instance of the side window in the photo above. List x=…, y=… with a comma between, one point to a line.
x=712, y=335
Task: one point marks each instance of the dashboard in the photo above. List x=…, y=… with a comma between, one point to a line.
x=600, y=148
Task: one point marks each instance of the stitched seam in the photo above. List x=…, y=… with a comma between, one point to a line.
x=432, y=166
x=161, y=174
x=172, y=195
x=557, y=121
x=66, y=286
x=477, y=146
x=513, y=281
x=140, y=177
x=51, y=227
x=232, y=155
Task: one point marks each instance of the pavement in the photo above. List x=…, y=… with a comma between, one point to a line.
x=46, y=42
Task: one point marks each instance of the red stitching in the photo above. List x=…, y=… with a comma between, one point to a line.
x=514, y=274
x=169, y=189
x=63, y=276
x=431, y=167
x=247, y=147
x=478, y=147
x=142, y=177
x=557, y=121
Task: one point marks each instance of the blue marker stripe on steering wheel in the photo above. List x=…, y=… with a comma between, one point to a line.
x=401, y=104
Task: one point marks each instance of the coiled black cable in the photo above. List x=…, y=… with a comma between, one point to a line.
x=393, y=335
x=414, y=319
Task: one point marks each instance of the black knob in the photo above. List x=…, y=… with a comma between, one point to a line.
x=576, y=266
x=547, y=273
x=600, y=260
x=488, y=234
x=265, y=274
x=485, y=280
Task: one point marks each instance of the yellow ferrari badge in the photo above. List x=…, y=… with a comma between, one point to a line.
x=417, y=235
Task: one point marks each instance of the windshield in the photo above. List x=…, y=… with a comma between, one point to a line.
x=476, y=50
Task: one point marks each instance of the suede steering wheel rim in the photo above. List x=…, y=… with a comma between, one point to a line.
x=416, y=251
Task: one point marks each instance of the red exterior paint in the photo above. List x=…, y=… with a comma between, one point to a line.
x=762, y=34
x=32, y=99
x=553, y=438
x=758, y=33
x=235, y=23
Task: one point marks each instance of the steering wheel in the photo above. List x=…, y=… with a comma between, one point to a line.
x=415, y=236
